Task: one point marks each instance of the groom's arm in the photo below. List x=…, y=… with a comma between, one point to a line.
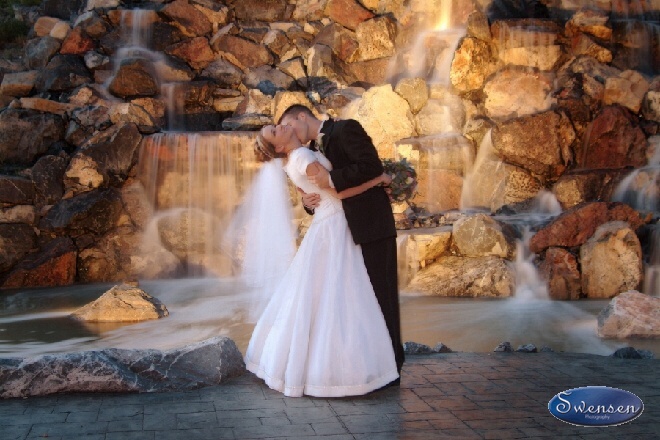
x=364, y=163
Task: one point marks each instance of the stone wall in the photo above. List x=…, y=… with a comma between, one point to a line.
x=567, y=111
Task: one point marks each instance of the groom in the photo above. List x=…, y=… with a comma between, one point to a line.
x=354, y=161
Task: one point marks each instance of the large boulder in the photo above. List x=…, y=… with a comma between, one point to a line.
x=575, y=226
x=122, y=303
x=611, y=261
x=209, y=362
x=465, y=277
x=630, y=314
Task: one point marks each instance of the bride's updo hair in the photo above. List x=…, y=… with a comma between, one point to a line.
x=264, y=151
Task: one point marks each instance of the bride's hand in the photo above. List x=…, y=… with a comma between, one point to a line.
x=386, y=179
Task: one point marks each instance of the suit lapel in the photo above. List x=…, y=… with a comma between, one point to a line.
x=326, y=130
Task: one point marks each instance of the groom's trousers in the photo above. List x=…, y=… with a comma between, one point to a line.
x=381, y=263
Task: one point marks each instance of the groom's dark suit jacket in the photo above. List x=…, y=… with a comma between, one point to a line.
x=355, y=161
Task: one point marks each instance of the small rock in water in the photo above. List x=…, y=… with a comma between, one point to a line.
x=632, y=353
x=504, y=347
x=546, y=349
x=527, y=348
x=415, y=348
x=442, y=348
x=122, y=303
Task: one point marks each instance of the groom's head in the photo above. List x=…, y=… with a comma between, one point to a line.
x=303, y=121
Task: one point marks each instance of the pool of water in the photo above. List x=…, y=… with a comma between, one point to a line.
x=36, y=321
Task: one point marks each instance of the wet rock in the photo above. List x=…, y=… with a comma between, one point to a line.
x=651, y=105
x=64, y=73
x=385, y=116
x=560, y=268
x=126, y=112
x=16, y=240
x=46, y=106
x=136, y=203
x=54, y=265
x=104, y=159
x=191, y=20
x=44, y=25
x=39, y=51
x=478, y=26
x=135, y=77
x=196, y=52
x=482, y=236
x=576, y=187
x=92, y=212
x=514, y=92
x=611, y=261
x=439, y=116
x=342, y=41
x=414, y=91
x=25, y=135
x=19, y=84
x=372, y=72
x=615, y=141
x=77, y=43
x=540, y=143
x=630, y=314
x=442, y=348
x=418, y=250
x=473, y=62
x=575, y=226
x=539, y=57
x=627, y=90
x=348, y=13
x=465, y=277
x=241, y=52
x=48, y=176
x=209, y=362
x=122, y=303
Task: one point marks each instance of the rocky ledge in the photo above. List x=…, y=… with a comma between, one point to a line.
x=209, y=362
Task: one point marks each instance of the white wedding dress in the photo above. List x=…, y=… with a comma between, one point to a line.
x=322, y=333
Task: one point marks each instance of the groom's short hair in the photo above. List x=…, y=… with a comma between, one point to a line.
x=295, y=110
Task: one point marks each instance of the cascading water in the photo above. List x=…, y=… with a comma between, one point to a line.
x=641, y=190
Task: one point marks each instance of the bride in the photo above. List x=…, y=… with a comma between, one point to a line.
x=322, y=333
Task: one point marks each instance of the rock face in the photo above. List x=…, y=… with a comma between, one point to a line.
x=481, y=236
x=630, y=315
x=611, y=261
x=112, y=370
x=122, y=303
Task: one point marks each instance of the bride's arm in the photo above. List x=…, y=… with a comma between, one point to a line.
x=313, y=169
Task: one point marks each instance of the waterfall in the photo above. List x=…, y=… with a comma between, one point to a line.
x=193, y=182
